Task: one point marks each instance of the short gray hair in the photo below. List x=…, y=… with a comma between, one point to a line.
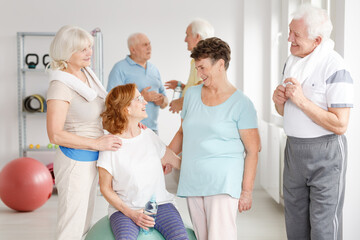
x=133, y=39
x=316, y=19
x=203, y=28
x=67, y=41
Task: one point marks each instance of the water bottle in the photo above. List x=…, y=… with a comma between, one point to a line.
x=151, y=208
x=177, y=91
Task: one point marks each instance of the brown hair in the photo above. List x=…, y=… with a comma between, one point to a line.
x=213, y=48
x=115, y=116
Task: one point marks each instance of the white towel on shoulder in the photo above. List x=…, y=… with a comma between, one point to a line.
x=301, y=68
x=89, y=93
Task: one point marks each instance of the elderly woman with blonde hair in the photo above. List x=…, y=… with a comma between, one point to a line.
x=75, y=100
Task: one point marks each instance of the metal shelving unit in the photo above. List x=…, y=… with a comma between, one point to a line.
x=21, y=75
x=23, y=71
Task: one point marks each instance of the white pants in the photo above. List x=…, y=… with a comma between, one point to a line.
x=214, y=217
x=76, y=184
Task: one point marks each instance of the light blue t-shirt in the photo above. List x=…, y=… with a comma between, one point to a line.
x=128, y=71
x=213, y=153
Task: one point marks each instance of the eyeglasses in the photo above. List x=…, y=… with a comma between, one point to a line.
x=140, y=98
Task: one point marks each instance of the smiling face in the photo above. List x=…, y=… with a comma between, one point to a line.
x=301, y=45
x=190, y=39
x=208, y=70
x=137, y=107
x=82, y=58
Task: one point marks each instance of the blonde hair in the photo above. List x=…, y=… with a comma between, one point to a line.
x=67, y=41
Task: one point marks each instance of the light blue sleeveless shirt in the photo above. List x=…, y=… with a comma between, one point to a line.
x=213, y=153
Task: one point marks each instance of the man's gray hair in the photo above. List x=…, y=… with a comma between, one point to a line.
x=316, y=19
x=133, y=39
x=203, y=28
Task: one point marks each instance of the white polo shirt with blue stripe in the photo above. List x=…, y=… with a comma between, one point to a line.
x=329, y=86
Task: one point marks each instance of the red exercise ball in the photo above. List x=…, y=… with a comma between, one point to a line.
x=25, y=184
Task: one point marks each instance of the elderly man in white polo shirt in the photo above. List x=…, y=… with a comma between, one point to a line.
x=315, y=100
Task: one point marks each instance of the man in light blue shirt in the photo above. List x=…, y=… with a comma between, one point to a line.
x=135, y=68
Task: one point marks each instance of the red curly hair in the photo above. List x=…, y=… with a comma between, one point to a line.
x=115, y=117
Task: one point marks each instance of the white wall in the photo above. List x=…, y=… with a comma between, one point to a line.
x=351, y=56
x=256, y=52
x=163, y=21
x=256, y=58
x=345, y=19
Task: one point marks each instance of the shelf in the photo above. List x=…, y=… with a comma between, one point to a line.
x=36, y=34
x=23, y=71
x=33, y=113
x=41, y=149
x=42, y=70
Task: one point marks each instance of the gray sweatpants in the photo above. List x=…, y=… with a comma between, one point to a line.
x=314, y=186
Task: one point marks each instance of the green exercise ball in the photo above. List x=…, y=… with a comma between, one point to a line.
x=154, y=235
x=102, y=231
x=190, y=234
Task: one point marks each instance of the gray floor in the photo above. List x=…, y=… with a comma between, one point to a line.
x=265, y=221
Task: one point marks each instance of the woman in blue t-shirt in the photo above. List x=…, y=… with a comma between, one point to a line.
x=219, y=141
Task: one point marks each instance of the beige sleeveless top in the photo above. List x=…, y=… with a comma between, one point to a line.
x=83, y=117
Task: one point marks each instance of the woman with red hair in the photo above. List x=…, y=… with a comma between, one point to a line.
x=130, y=176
